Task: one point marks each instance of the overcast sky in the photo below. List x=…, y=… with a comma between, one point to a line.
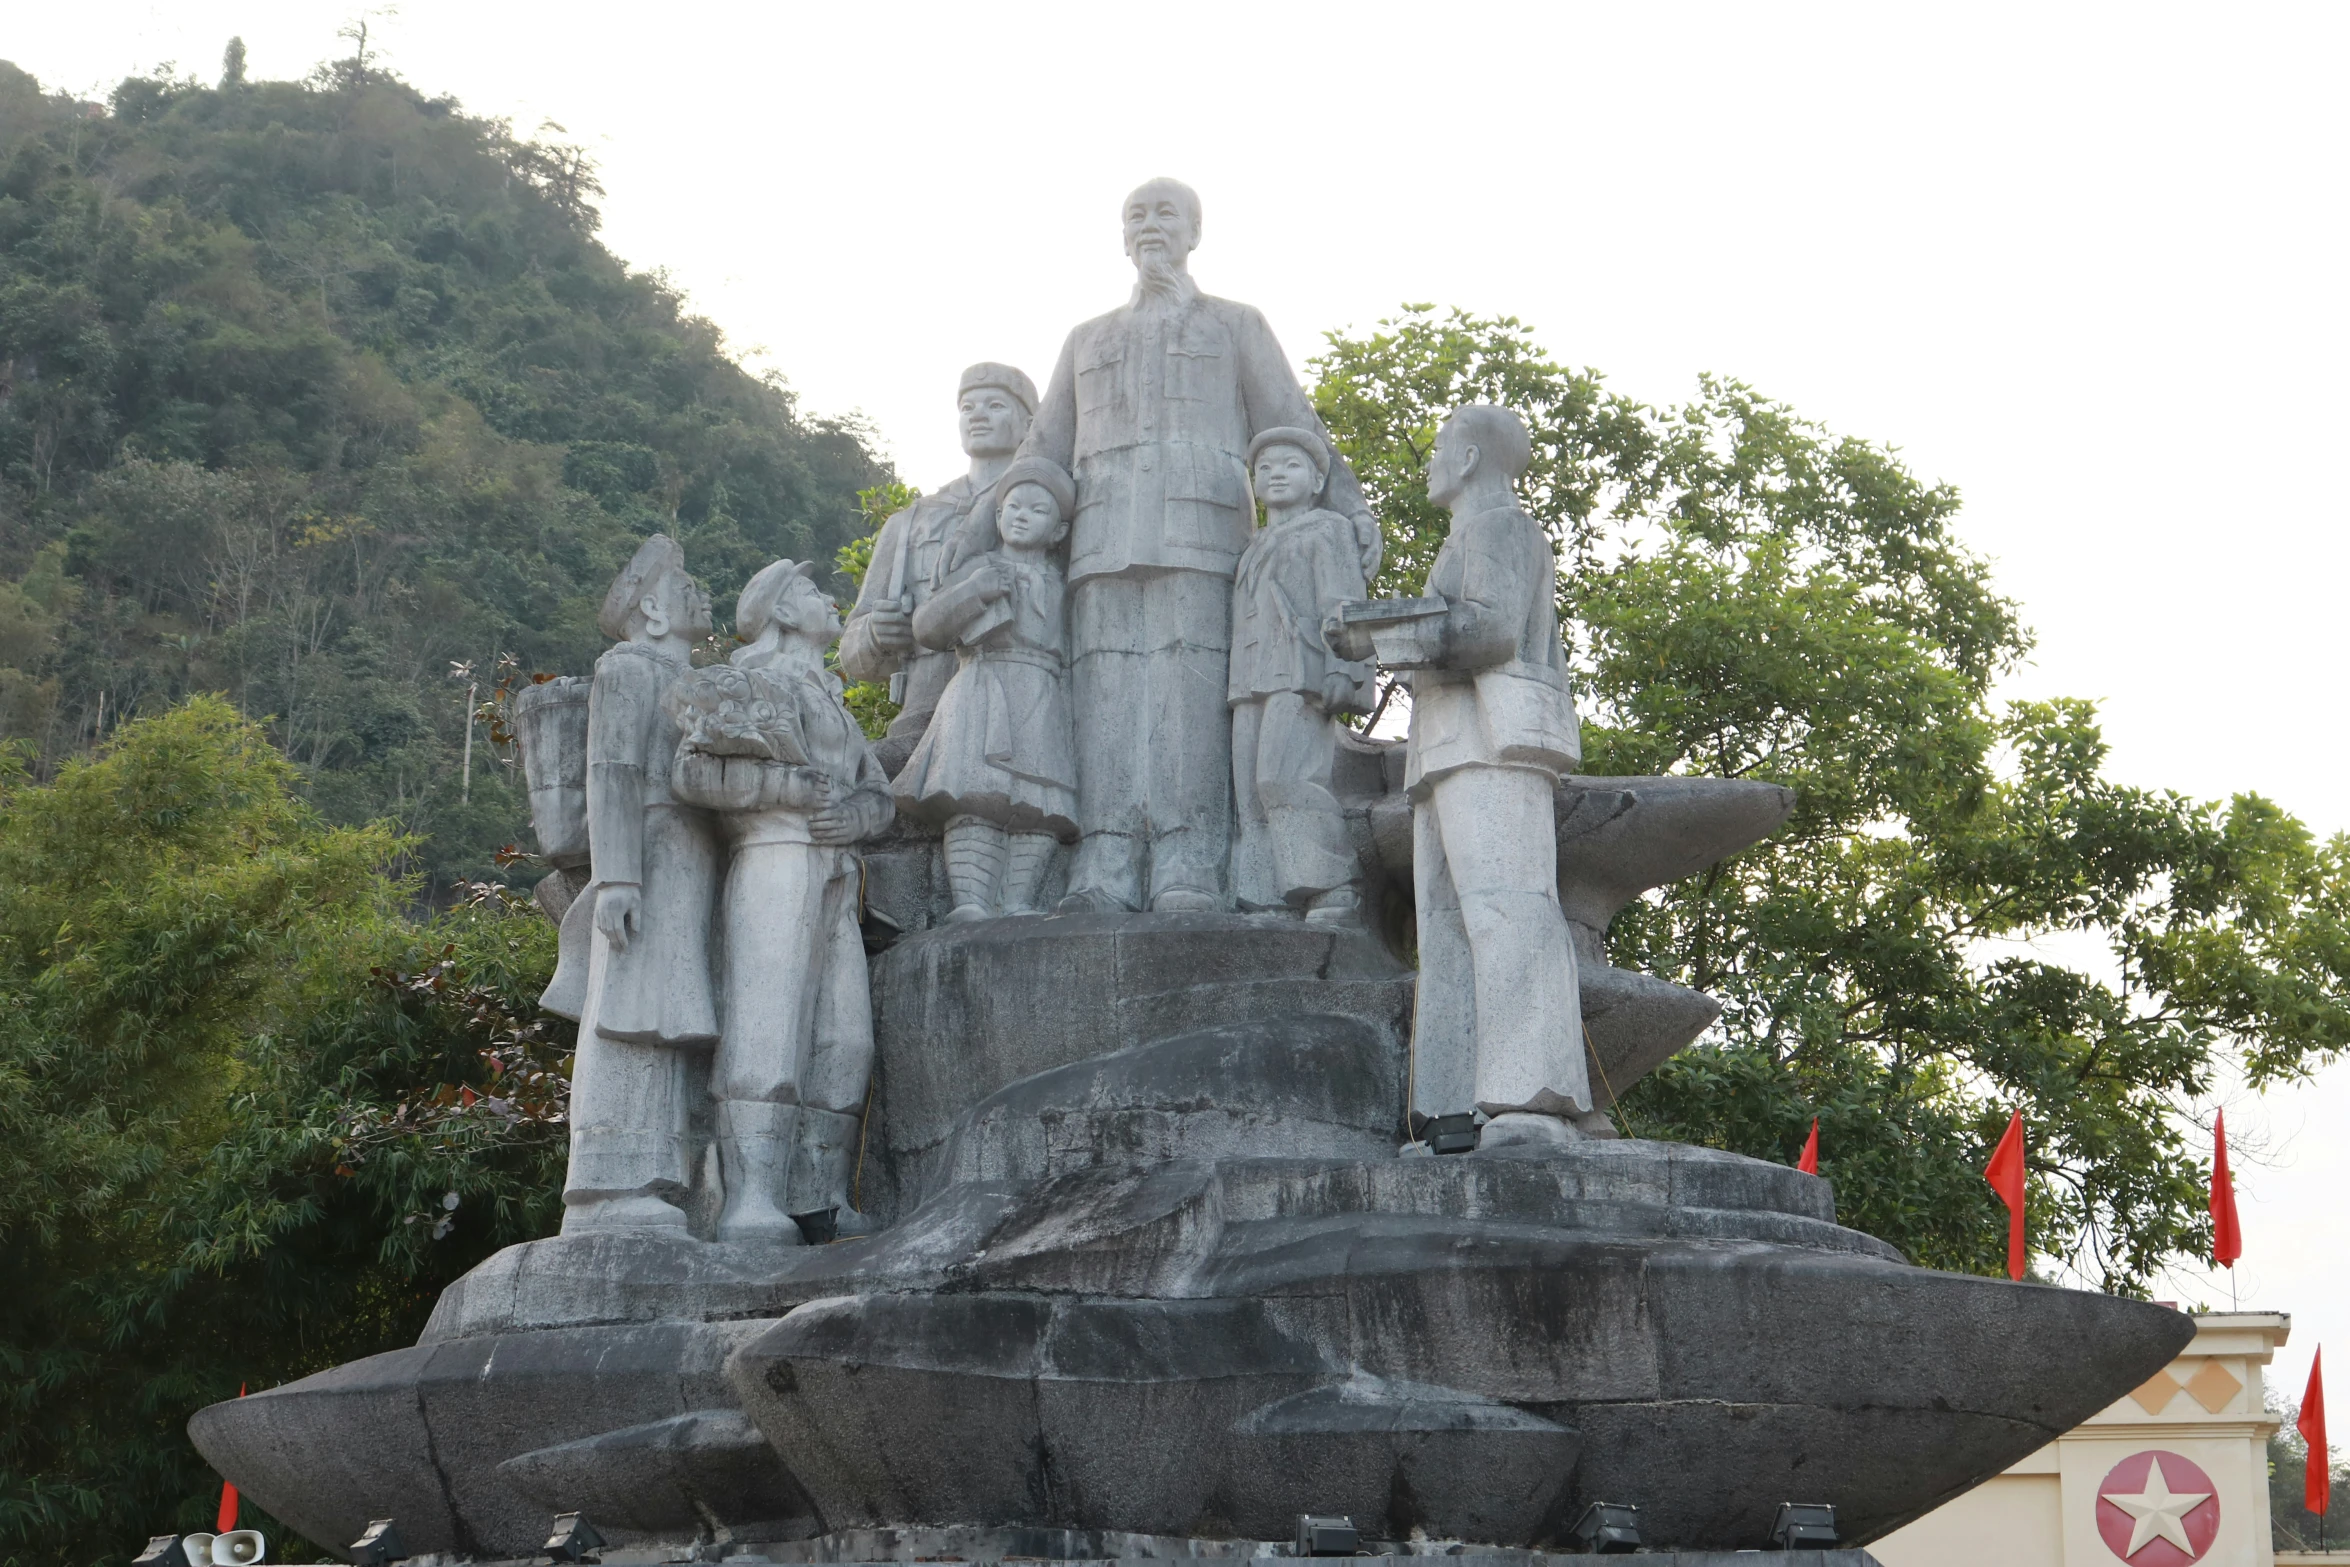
x=2085, y=264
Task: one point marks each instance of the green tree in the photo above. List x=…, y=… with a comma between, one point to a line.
x=248, y=1128
x=309, y=390
x=1746, y=595
x=869, y=699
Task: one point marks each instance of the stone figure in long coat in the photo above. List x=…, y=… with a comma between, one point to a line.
x=1152, y=407
x=647, y=916
x=770, y=748
x=922, y=546
x=1497, y=1029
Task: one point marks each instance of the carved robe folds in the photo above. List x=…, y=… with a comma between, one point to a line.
x=651, y=996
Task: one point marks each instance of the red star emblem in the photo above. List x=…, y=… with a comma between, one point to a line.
x=2158, y=1509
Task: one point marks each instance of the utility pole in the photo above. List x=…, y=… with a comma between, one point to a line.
x=462, y=669
x=465, y=794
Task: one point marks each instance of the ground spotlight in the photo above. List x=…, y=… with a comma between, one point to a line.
x=574, y=1539
x=1448, y=1133
x=1804, y=1526
x=1321, y=1534
x=380, y=1545
x=1608, y=1529
x=164, y=1550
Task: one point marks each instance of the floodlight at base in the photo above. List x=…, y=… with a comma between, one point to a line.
x=1325, y=1535
x=163, y=1550
x=381, y=1544
x=573, y=1539
x=1450, y=1133
x=1804, y=1526
x=1608, y=1529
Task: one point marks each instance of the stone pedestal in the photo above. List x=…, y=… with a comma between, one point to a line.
x=960, y=1011
x=1156, y=1280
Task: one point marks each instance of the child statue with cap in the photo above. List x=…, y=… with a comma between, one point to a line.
x=772, y=750
x=1287, y=688
x=997, y=766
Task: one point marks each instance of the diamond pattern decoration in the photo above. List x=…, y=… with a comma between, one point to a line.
x=2155, y=1394
x=2214, y=1386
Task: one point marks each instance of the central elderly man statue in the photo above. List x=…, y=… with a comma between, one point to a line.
x=920, y=546
x=1152, y=408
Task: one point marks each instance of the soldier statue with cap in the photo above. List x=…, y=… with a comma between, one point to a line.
x=921, y=547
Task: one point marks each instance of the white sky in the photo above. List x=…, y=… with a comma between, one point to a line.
x=2084, y=262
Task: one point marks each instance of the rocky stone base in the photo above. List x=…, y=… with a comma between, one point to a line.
x=1071, y=1548
x=1168, y=1276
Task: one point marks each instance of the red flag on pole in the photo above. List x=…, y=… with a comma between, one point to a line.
x=2317, y=1484
x=2227, y=1240
x=1809, y=1162
x=228, y=1495
x=2005, y=1172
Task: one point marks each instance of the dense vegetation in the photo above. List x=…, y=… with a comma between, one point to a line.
x=218, y=1025
x=309, y=391
x=1748, y=596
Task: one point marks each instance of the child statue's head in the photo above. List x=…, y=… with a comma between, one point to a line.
x=654, y=596
x=1038, y=501
x=1287, y=468
x=783, y=602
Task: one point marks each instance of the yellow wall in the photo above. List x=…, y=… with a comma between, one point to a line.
x=2043, y=1511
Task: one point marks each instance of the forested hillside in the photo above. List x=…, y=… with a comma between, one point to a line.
x=309, y=391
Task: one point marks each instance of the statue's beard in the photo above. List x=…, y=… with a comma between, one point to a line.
x=1157, y=272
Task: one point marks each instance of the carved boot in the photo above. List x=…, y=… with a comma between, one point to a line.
x=1338, y=906
x=1527, y=1129
x=823, y=1174
x=1029, y=856
x=975, y=866
x=754, y=1153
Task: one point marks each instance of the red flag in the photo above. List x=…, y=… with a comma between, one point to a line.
x=1809, y=1162
x=2317, y=1482
x=2005, y=1172
x=2227, y=1240
x=228, y=1496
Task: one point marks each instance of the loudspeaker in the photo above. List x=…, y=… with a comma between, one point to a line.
x=239, y=1548
x=199, y=1549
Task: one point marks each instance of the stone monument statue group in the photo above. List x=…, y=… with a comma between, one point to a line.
x=1187, y=1194
x=1101, y=658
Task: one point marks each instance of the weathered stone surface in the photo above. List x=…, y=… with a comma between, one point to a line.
x=1309, y=1086
x=1004, y=1409
x=1635, y=1023
x=1709, y=1378
x=1618, y=837
x=672, y=1478
x=963, y=1010
x=971, y=1543
x=569, y=1281
x=418, y=1434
